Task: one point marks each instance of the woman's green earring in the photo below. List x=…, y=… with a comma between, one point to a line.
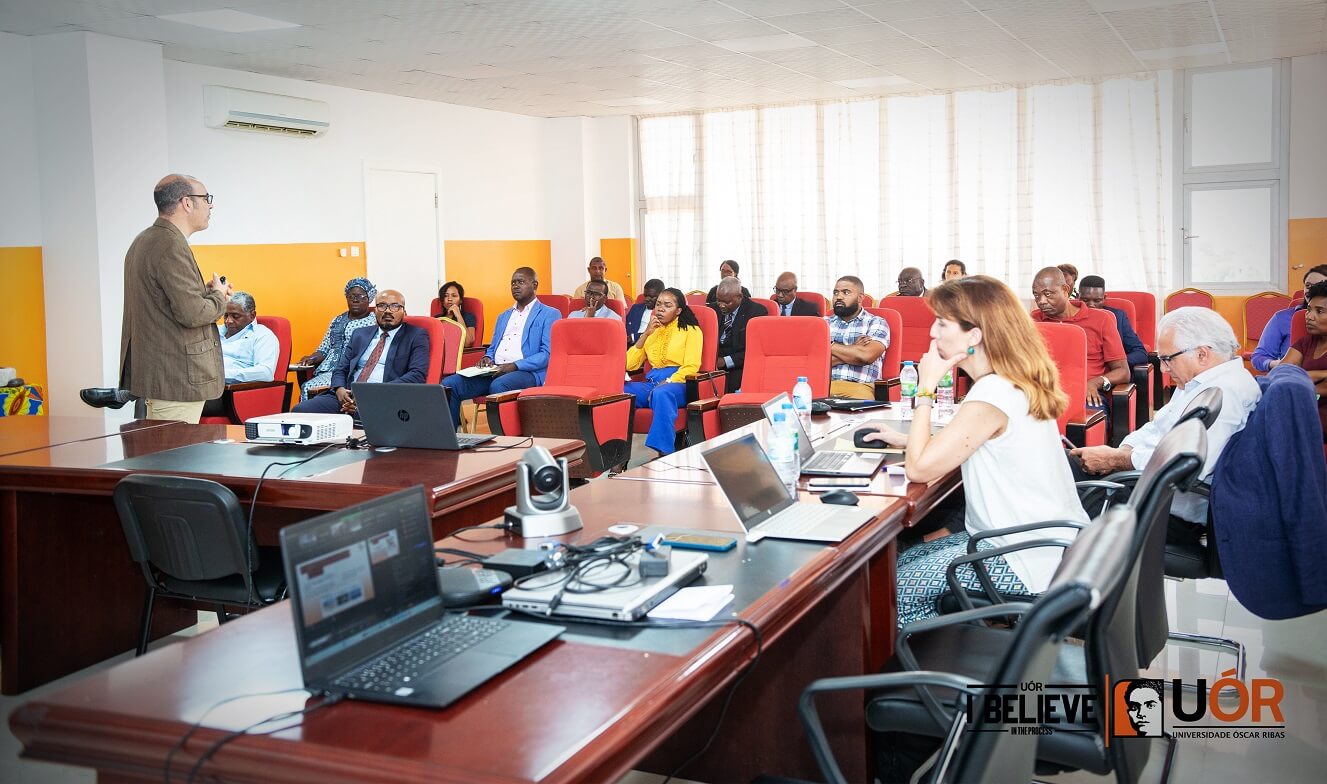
x=972, y=350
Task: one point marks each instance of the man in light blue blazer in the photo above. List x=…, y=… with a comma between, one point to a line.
x=519, y=351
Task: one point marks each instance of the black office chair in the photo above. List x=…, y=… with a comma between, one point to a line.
x=939, y=658
x=190, y=538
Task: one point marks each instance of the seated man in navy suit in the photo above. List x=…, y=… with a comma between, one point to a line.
x=390, y=352
x=522, y=340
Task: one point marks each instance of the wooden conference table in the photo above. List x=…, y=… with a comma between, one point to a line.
x=587, y=708
x=71, y=596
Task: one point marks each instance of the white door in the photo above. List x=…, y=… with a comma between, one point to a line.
x=1228, y=233
x=401, y=234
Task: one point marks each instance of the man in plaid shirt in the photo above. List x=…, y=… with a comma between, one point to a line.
x=857, y=341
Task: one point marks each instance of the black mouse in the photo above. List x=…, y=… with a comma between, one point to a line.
x=819, y=407
x=840, y=497
x=859, y=439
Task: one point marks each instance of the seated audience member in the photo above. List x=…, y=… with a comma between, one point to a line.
x=638, y=316
x=597, y=269
x=728, y=269
x=1070, y=277
x=1106, y=364
x=734, y=311
x=1310, y=351
x=391, y=351
x=785, y=296
x=953, y=270
x=1275, y=340
x=672, y=343
x=248, y=349
x=360, y=295
x=857, y=341
x=1092, y=291
x=451, y=295
x=911, y=283
x=519, y=351
x=595, y=293
x=1004, y=436
x=1199, y=350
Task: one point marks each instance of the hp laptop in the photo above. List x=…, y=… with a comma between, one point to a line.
x=410, y=415
x=369, y=619
x=761, y=501
x=827, y=462
x=637, y=596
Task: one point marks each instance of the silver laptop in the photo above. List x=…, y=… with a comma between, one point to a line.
x=630, y=602
x=761, y=500
x=827, y=462
x=410, y=415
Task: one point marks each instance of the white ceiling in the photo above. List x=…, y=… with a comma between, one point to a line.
x=557, y=58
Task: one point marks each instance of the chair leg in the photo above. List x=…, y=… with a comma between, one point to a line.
x=145, y=633
x=221, y=613
x=1213, y=644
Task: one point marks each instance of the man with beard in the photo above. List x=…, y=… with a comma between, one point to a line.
x=857, y=341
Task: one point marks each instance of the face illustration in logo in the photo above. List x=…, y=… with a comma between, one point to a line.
x=1143, y=702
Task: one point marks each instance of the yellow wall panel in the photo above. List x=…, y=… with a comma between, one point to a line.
x=23, y=319
x=619, y=253
x=484, y=268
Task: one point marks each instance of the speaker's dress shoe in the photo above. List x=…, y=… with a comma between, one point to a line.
x=99, y=397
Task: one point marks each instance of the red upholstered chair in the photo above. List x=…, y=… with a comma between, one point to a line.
x=814, y=299
x=696, y=299
x=771, y=307
x=617, y=307
x=868, y=301
x=1297, y=301
x=887, y=388
x=1257, y=310
x=260, y=398
x=471, y=305
x=453, y=346
x=581, y=397
x=640, y=299
x=1123, y=401
x=1141, y=375
x=1297, y=329
x=777, y=352
x=1145, y=306
x=1067, y=344
x=917, y=320
x=707, y=382
x=1189, y=297
x=559, y=301
x=438, y=343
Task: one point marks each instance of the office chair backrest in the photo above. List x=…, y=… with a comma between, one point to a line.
x=587, y=353
x=190, y=529
x=453, y=345
x=437, y=344
x=771, y=307
x=1145, y=308
x=1188, y=297
x=696, y=299
x=917, y=319
x=560, y=302
x=1258, y=309
x=778, y=350
x=1205, y=407
x=815, y=299
x=475, y=307
x=1298, y=330
x=1067, y=344
x=892, y=361
x=280, y=326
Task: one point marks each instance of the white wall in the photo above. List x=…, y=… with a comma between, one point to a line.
x=610, y=176
x=20, y=206
x=1308, y=136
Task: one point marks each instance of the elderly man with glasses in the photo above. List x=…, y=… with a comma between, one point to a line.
x=391, y=351
x=785, y=296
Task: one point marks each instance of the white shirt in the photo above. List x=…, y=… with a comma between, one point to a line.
x=376, y=376
x=250, y=354
x=509, y=346
x=1239, y=395
x=1020, y=477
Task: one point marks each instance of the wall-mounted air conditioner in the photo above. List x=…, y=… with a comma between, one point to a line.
x=247, y=110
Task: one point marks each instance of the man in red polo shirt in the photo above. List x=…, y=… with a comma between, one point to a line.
x=1106, y=363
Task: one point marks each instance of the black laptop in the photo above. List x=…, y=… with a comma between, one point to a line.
x=369, y=618
x=410, y=415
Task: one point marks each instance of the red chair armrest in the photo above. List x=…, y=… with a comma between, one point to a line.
x=705, y=404
x=505, y=397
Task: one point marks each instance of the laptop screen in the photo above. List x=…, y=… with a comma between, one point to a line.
x=804, y=449
x=748, y=480
x=360, y=579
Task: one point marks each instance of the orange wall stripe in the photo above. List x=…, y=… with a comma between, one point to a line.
x=23, y=320
x=619, y=253
x=1308, y=248
x=484, y=268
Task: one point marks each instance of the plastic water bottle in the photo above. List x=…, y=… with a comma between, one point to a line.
x=907, y=378
x=783, y=452
x=802, y=402
x=944, y=395
x=790, y=417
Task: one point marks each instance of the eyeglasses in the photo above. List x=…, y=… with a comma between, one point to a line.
x=594, y=295
x=207, y=197
x=784, y=292
x=394, y=307
x=357, y=298
x=1166, y=358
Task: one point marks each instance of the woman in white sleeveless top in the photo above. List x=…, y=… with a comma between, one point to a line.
x=1004, y=435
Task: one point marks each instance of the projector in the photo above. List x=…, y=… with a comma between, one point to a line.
x=298, y=428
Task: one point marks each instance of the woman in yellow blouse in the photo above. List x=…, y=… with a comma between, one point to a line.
x=672, y=344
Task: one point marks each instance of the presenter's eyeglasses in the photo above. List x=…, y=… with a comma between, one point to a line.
x=207, y=197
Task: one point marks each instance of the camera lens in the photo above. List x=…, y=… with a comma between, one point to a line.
x=547, y=479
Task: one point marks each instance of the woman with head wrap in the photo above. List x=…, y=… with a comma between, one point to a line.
x=359, y=313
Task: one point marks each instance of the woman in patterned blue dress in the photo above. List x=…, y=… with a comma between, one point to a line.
x=359, y=313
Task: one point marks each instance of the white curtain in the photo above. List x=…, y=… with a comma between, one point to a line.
x=1008, y=181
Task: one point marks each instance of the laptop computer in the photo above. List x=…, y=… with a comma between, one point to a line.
x=852, y=403
x=631, y=602
x=369, y=618
x=761, y=501
x=827, y=462
x=410, y=415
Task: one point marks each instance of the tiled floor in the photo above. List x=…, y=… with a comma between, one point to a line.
x=1295, y=651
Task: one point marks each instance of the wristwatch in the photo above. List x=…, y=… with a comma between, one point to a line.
x=1105, y=384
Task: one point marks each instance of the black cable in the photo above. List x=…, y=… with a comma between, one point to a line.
x=461, y=553
x=523, y=443
x=179, y=744
x=249, y=546
x=486, y=527
x=331, y=699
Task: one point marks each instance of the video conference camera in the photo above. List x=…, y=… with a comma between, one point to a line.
x=543, y=505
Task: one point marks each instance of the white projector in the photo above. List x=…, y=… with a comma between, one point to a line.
x=298, y=428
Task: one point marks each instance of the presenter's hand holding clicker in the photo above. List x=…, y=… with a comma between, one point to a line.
x=222, y=286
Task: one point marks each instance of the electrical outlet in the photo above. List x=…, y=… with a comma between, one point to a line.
x=354, y=251
x=343, y=252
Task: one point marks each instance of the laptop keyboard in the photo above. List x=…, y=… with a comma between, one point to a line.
x=398, y=667
x=465, y=441
x=799, y=519
x=828, y=461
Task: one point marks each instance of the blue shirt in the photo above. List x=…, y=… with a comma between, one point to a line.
x=1134, y=351
x=603, y=312
x=250, y=354
x=376, y=376
x=1275, y=340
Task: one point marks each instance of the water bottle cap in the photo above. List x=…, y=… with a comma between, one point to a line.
x=800, y=379
x=907, y=362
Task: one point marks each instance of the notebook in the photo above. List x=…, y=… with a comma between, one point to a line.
x=636, y=597
x=825, y=462
x=369, y=618
x=761, y=501
x=410, y=415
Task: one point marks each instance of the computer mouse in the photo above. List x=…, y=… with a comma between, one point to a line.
x=819, y=407
x=859, y=439
x=840, y=497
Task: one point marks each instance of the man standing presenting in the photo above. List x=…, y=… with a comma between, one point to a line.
x=597, y=269
x=734, y=311
x=170, y=350
x=857, y=342
x=785, y=296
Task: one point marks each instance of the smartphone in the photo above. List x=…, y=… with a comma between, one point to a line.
x=716, y=544
x=821, y=484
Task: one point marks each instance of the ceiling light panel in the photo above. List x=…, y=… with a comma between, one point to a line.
x=1158, y=28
